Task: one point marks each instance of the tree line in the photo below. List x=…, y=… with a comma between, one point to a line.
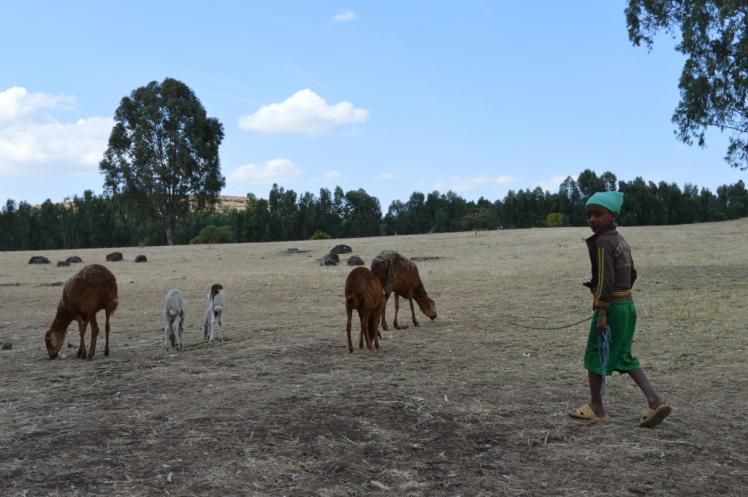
x=105, y=220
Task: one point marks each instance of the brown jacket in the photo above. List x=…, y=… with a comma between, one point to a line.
x=613, y=272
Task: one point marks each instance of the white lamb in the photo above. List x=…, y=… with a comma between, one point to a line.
x=215, y=302
x=174, y=312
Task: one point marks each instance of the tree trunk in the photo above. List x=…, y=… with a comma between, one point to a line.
x=169, y=235
x=170, y=224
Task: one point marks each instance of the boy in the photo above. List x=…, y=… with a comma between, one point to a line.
x=613, y=275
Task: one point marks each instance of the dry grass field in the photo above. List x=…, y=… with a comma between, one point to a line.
x=464, y=405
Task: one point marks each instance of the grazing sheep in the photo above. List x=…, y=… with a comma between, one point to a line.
x=91, y=289
x=399, y=274
x=364, y=292
x=175, y=307
x=215, y=302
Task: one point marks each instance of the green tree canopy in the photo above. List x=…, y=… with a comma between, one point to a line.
x=714, y=81
x=163, y=153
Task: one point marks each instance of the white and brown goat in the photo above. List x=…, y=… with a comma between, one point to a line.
x=215, y=302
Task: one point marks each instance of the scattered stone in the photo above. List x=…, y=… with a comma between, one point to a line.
x=141, y=258
x=330, y=260
x=114, y=256
x=7, y=346
x=294, y=250
x=74, y=258
x=38, y=259
x=355, y=260
x=62, y=263
x=341, y=249
x=427, y=258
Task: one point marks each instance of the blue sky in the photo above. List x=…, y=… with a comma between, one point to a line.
x=478, y=97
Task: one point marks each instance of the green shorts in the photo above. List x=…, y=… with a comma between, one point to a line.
x=622, y=322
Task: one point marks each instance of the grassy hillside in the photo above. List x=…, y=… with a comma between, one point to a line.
x=464, y=405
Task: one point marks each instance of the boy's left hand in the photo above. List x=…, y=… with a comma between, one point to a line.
x=602, y=320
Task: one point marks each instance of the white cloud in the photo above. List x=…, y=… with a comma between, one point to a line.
x=464, y=184
x=303, y=112
x=32, y=142
x=332, y=174
x=344, y=16
x=16, y=102
x=387, y=177
x=272, y=171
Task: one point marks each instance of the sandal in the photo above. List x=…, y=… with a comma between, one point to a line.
x=653, y=417
x=586, y=413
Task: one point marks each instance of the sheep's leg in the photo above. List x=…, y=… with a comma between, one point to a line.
x=212, y=327
x=82, y=346
x=181, y=331
x=217, y=325
x=348, y=312
x=177, y=336
x=365, y=318
x=167, y=329
x=373, y=329
x=94, y=335
x=397, y=309
x=206, y=324
x=412, y=310
x=106, y=330
x=361, y=333
x=384, y=321
x=175, y=325
x=220, y=324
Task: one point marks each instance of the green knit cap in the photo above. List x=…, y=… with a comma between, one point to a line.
x=610, y=200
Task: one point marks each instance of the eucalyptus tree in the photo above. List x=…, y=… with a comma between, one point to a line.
x=162, y=159
x=713, y=35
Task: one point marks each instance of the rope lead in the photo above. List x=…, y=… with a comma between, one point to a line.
x=603, y=351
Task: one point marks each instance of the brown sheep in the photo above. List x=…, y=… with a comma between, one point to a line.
x=91, y=289
x=400, y=275
x=364, y=293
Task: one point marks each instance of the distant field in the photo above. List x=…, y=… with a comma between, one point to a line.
x=464, y=405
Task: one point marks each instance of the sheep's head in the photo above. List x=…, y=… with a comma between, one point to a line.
x=426, y=305
x=54, y=339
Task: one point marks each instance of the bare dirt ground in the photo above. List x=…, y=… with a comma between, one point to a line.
x=465, y=405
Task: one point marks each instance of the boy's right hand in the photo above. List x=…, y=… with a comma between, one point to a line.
x=602, y=320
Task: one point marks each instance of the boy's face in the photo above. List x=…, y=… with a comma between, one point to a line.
x=599, y=218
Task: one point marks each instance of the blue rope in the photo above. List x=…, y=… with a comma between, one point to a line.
x=603, y=351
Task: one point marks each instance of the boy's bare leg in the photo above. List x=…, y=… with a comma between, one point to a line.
x=642, y=381
x=596, y=400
